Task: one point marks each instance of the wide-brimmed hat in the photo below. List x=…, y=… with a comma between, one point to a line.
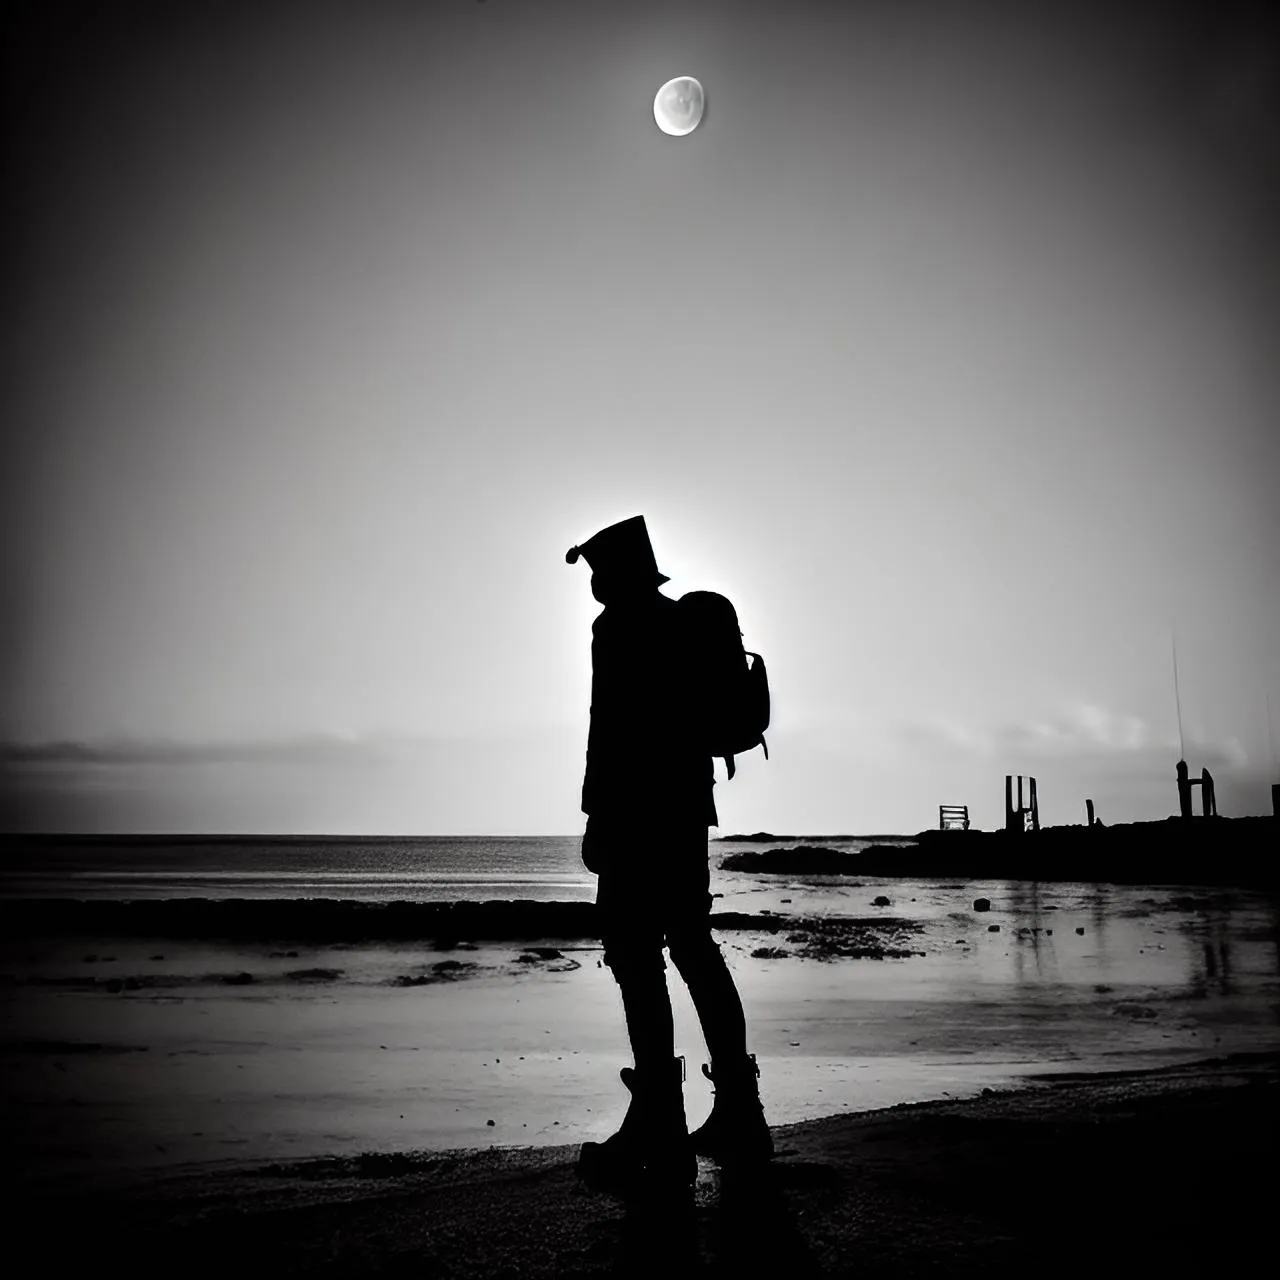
x=623, y=550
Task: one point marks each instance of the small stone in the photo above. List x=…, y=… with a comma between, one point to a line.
x=982, y=904
x=1080, y=930
x=880, y=901
x=490, y=1123
x=993, y=928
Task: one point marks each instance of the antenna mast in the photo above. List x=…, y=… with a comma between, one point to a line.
x=1177, y=695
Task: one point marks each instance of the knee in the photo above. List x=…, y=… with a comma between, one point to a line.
x=635, y=966
x=695, y=952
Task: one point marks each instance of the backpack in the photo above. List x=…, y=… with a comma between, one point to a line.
x=730, y=694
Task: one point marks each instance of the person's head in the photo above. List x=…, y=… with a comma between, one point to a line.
x=623, y=568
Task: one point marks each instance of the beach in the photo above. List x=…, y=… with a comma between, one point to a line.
x=272, y=1061
x=1115, y=1174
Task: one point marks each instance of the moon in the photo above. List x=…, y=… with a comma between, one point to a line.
x=677, y=108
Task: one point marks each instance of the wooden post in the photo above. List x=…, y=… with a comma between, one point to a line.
x=1184, y=790
x=1208, y=800
x=1008, y=802
x=1088, y=808
x=1035, y=807
x=1275, y=799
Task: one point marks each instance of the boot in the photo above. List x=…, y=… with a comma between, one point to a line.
x=735, y=1133
x=651, y=1150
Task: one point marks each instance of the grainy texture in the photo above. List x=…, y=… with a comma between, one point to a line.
x=1096, y=1175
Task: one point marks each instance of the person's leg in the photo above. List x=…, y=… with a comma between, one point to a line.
x=651, y=1149
x=713, y=992
x=736, y=1131
x=687, y=924
x=642, y=982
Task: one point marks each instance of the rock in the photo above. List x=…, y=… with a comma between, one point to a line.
x=770, y=953
x=982, y=904
x=993, y=928
x=491, y=1123
x=880, y=901
x=314, y=975
x=800, y=860
x=1080, y=930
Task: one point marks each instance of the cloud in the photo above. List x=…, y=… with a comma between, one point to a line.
x=1080, y=731
x=305, y=748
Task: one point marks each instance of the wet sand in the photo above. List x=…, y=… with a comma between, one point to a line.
x=1141, y=1173
x=123, y=1053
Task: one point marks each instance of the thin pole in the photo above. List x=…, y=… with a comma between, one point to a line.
x=1177, y=694
x=1271, y=734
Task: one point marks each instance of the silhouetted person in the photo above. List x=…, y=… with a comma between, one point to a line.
x=647, y=794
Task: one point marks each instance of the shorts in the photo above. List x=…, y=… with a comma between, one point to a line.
x=654, y=884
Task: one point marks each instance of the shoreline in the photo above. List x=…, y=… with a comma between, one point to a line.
x=440, y=926
x=1159, y=1164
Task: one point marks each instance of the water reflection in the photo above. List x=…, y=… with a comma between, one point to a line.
x=1033, y=954
x=1213, y=968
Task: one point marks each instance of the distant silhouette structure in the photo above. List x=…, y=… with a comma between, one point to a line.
x=1208, y=797
x=647, y=794
x=1022, y=817
x=953, y=817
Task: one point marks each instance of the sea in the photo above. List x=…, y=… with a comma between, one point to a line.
x=368, y=869
x=127, y=1052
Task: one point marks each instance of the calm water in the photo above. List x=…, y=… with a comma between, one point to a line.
x=188, y=1067
x=430, y=869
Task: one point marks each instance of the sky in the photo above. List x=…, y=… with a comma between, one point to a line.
x=947, y=346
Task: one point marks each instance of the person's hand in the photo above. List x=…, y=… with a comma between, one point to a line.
x=593, y=849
